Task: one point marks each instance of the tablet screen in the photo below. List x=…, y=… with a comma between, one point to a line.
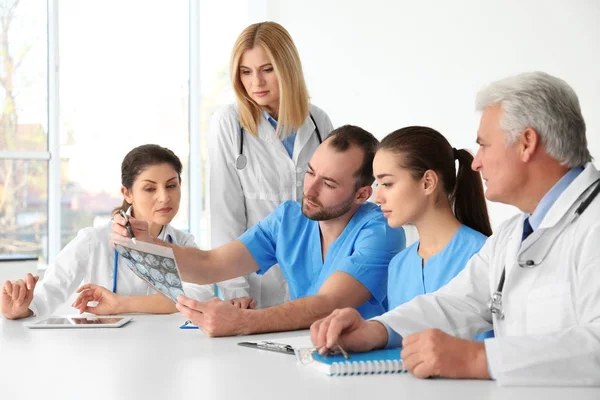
x=79, y=321
x=95, y=321
x=73, y=322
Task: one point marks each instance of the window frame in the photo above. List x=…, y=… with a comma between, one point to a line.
x=52, y=155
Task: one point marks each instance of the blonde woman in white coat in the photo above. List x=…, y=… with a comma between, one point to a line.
x=260, y=148
x=151, y=177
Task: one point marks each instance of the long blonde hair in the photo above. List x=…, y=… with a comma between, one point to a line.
x=293, y=95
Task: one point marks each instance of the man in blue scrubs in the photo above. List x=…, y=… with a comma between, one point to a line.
x=334, y=248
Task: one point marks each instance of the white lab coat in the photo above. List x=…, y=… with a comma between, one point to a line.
x=89, y=258
x=240, y=198
x=551, y=331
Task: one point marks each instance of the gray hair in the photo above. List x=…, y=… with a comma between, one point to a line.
x=545, y=103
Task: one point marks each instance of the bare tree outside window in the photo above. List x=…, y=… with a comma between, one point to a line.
x=23, y=182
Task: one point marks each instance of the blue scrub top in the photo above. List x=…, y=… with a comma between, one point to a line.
x=408, y=278
x=363, y=250
x=289, y=141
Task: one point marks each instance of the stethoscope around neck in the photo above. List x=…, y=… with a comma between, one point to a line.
x=241, y=160
x=495, y=303
x=116, y=265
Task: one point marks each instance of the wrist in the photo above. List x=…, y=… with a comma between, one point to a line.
x=245, y=325
x=123, y=304
x=24, y=314
x=378, y=334
x=477, y=366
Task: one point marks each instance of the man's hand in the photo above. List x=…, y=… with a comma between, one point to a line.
x=17, y=296
x=119, y=232
x=215, y=317
x=244, y=303
x=435, y=353
x=108, y=302
x=349, y=330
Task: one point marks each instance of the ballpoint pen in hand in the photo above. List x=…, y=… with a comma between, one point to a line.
x=128, y=225
x=344, y=352
x=338, y=348
x=305, y=355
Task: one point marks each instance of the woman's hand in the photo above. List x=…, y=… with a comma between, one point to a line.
x=108, y=302
x=140, y=229
x=17, y=296
x=244, y=303
x=346, y=328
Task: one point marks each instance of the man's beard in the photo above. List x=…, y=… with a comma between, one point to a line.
x=325, y=214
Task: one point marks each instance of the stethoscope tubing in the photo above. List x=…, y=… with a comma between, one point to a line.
x=241, y=160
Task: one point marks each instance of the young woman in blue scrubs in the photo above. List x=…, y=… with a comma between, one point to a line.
x=150, y=177
x=418, y=182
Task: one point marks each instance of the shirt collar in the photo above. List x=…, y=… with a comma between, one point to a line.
x=271, y=120
x=553, y=194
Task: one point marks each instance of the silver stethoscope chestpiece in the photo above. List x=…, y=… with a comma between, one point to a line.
x=241, y=161
x=495, y=305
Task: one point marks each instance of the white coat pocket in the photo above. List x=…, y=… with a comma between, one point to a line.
x=549, y=309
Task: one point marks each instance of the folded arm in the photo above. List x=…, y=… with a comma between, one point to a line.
x=218, y=318
x=339, y=291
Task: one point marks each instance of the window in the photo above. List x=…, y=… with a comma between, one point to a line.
x=23, y=129
x=123, y=83
x=124, y=80
x=216, y=42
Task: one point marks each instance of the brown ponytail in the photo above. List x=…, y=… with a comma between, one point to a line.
x=468, y=198
x=422, y=149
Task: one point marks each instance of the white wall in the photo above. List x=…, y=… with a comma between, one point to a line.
x=383, y=65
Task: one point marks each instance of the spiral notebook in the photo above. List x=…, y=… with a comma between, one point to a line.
x=384, y=361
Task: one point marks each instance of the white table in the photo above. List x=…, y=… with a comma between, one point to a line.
x=151, y=358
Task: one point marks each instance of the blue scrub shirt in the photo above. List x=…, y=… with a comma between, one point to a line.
x=408, y=278
x=363, y=250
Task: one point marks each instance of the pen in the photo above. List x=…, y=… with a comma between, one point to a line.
x=128, y=225
x=271, y=346
x=339, y=348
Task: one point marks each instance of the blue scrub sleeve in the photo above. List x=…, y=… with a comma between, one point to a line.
x=374, y=248
x=261, y=240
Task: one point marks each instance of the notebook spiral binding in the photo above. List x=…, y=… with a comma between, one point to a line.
x=367, y=367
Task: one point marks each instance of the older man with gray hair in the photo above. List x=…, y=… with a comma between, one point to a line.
x=536, y=280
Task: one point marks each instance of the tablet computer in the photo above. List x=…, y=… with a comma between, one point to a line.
x=80, y=322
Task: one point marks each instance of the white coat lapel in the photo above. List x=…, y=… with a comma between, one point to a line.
x=512, y=249
x=571, y=194
x=266, y=131
x=302, y=136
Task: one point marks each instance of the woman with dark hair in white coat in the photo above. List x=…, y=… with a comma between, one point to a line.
x=151, y=178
